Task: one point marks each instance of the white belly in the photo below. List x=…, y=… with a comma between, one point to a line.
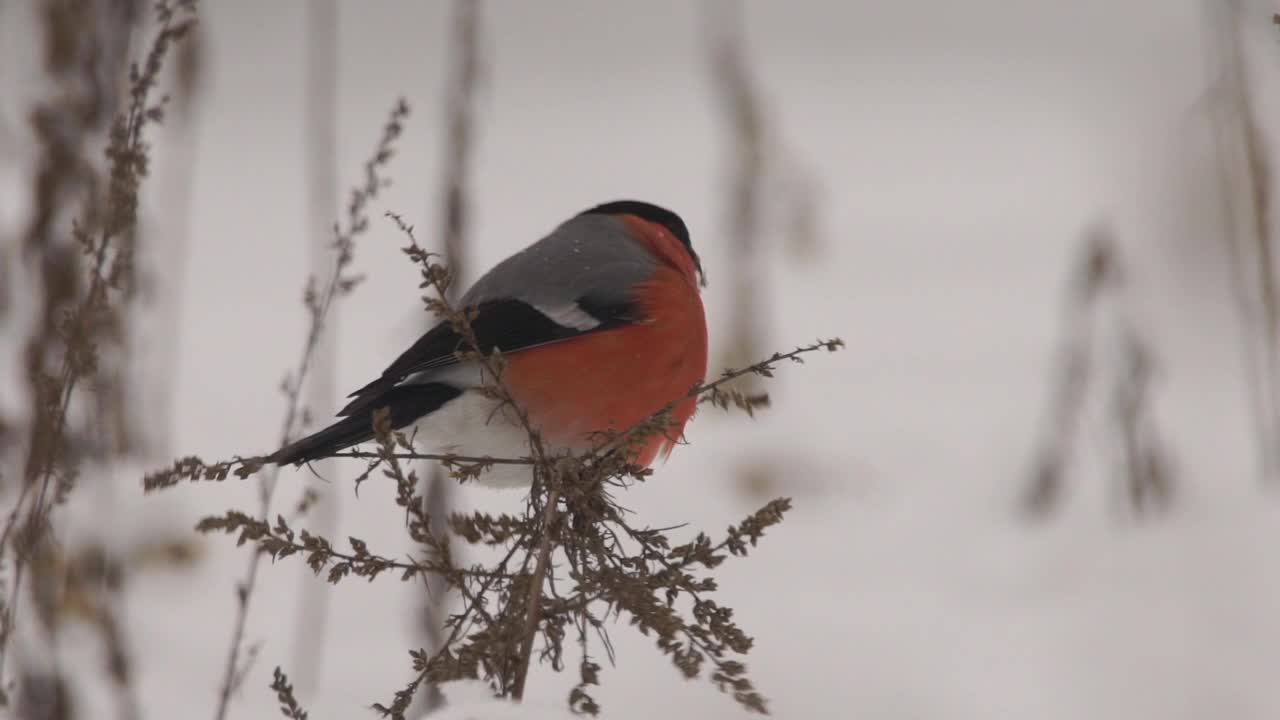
x=472, y=424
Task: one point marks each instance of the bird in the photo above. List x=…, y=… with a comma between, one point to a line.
x=600, y=324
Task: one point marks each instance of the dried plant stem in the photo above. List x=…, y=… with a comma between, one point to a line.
x=713, y=392
x=459, y=139
x=567, y=492
x=438, y=278
x=310, y=626
x=76, y=325
x=737, y=90
x=442, y=457
x=1072, y=375
x=1246, y=186
x=195, y=470
x=533, y=601
x=244, y=591
x=336, y=284
x=455, y=227
x=43, y=454
x=1146, y=476
x=165, y=332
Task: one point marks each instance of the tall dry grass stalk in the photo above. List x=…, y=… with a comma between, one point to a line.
x=455, y=228
x=321, y=137
x=319, y=297
x=1093, y=304
x=82, y=250
x=161, y=330
x=771, y=204
x=749, y=147
x=1246, y=176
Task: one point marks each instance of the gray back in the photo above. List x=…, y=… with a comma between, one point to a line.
x=589, y=255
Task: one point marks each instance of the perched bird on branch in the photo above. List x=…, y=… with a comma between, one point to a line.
x=600, y=325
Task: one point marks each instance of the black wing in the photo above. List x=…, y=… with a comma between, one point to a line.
x=406, y=403
x=509, y=325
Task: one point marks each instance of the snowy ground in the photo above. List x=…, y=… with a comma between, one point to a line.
x=961, y=150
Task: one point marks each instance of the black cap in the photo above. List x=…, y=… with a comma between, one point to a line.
x=654, y=214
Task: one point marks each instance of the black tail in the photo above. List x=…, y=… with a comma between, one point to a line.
x=406, y=402
x=338, y=436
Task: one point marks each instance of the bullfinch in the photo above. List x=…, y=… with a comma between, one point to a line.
x=600, y=324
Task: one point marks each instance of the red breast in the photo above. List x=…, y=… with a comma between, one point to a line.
x=616, y=378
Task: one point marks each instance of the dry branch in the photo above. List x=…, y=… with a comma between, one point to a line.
x=318, y=303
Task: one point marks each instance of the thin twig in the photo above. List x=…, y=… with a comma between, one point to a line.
x=533, y=601
x=319, y=305
x=310, y=626
x=710, y=389
x=749, y=162
x=103, y=230
x=1096, y=271
x=193, y=469
x=455, y=228
x=1245, y=176
x=442, y=457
